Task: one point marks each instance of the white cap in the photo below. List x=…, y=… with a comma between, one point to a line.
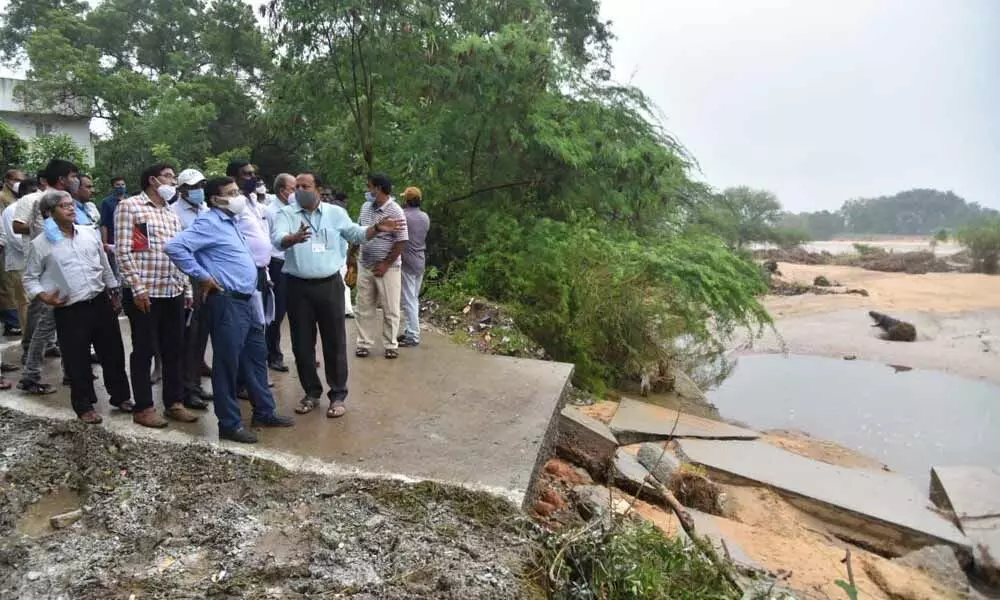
x=190, y=177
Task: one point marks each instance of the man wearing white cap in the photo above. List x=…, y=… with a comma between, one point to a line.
x=188, y=207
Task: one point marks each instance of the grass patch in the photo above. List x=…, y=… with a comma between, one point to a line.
x=629, y=561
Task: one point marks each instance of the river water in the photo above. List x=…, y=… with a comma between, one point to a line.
x=910, y=420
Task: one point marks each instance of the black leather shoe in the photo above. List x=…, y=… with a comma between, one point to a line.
x=203, y=394
x=277, y=365
x=241, y=435
x=193, y=402
x=272, y=421
x=53, y=352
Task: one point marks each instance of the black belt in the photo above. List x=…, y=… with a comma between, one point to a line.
x=316, y=280
x=232, y=294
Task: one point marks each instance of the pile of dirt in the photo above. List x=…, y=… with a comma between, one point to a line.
x=913, y=263
x=167, y=521
x=483, y=325
x=796, y=255
x=872, y=259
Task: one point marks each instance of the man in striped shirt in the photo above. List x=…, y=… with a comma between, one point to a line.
x=379, y=277
x=156, y=294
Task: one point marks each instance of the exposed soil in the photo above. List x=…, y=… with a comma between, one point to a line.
x=801, y=443
x=941, y=292
x=167, y=521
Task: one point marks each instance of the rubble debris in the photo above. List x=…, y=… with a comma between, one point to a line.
x=895, y=330
x=66, y=519
x=822, y=281
x=940, y=563
x=694, y=490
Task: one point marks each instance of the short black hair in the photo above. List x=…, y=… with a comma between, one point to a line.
x=120, y=178
x=381, y=181
x=41, y=175
x=316, y=178
x=152, y=171
x=59, y=167
x=28, y=186
x=213, y=186
x=235, y=166
x=340, y=197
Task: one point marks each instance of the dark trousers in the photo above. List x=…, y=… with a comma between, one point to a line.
x=78, y=326
x=195, y=341
x=312, y=304
x=274, y=328
x=238, y=353
x=162, y=328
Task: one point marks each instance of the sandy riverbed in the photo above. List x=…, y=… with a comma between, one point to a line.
x=957, y=316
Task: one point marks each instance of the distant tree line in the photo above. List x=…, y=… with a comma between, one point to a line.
x=913, y=212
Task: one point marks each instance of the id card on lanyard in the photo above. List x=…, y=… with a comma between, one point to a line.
x=318, y=246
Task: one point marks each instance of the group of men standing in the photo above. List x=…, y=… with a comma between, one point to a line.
x=188, y=259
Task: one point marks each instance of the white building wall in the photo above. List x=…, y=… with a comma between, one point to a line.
x=30, y=125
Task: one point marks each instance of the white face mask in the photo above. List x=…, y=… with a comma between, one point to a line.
x=261, y=189
x=237, y=204
x=166, y=192
x=14, y=186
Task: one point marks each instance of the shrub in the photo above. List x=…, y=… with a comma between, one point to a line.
x=628, y=561
x=983, y=241
x=610, y=304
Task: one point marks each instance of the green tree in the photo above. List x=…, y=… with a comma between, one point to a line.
x=983, y=241
x=44, y=148
x=743, y=215
x=12, y=147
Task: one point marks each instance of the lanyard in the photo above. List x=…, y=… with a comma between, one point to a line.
x=308, y=218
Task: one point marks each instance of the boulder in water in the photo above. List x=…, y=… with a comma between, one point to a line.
x=895, y=330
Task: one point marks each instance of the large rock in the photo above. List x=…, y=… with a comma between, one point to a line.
x=597, y=502
x=940, y=563
x=587, y=442
x=660, y=462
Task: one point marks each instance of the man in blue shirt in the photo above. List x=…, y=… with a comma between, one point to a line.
x=314, y=237
x=214, y=252
x=107, y=213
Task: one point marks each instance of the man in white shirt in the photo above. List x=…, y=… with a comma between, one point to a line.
x=189, y=206
x=284, y=195
x=67, y=269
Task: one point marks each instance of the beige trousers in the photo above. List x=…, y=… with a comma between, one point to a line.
x=374, y=292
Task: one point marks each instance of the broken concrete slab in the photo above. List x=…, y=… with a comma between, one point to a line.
x=881, y=509
x=973, y=494
x=637, y=422
x=660, y=462
x=705, y=526
x=585, y=441
x=940, y=563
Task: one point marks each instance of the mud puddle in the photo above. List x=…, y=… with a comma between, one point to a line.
x=909, y=419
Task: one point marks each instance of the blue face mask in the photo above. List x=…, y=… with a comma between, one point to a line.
x=51, y=230
x=120, y=191
x=196, y=196
x=369, y=196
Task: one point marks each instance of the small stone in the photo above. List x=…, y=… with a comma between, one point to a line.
x=374, y=522
x=33, y=576
x=66, y=519
x=544, y=509
x=850, y=357
x=551, y=496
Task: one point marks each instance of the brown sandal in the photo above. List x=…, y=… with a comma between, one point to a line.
x=306, y=405
x=336, y=410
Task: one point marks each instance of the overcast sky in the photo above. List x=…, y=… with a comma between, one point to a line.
x=823, y=100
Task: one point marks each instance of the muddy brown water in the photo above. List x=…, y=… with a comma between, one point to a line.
x=910, y=420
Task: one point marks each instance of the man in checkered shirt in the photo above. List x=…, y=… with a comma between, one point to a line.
x=155, y=294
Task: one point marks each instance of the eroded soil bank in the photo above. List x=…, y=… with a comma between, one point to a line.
x=166, y=521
